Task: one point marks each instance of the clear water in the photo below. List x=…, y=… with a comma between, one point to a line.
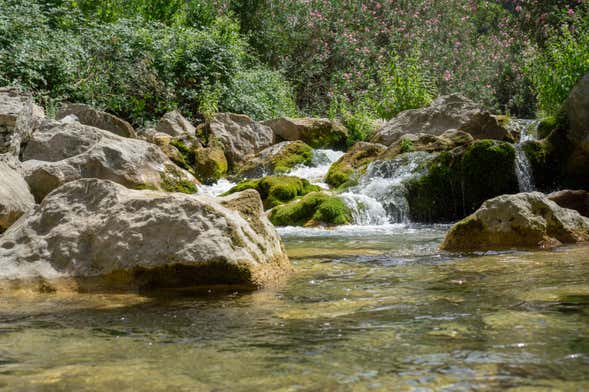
x=368, y=308
x=527, y=130
x=315, y=174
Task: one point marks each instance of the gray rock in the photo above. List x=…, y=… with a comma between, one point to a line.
x=174, y=124
x=15, y=197
x=95, y=118
x=19, y=117
x=577, y=108
x=145, y=239
x=445, y=113
x=62, y=152
x=575, y=200
x=316, y=132
x=240, y=136
x=524, y=220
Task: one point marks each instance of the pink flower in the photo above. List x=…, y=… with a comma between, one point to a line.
x=518, y=8
x=571, y=11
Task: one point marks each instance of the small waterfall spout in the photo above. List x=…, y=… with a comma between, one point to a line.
x=523, y=170
x=322, y=161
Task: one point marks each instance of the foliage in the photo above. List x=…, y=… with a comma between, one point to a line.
x=561, y=65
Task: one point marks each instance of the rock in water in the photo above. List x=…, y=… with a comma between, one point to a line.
x=61, y=152
x=15, y=197
x=95, y=118
x=447, y=112
x=347, y=169
x=316, y=132
x=240, y=136
x=524, y=220
x=145, y=239
x=574, y=200
x=19, y=117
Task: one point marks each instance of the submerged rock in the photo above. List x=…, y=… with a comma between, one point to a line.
x=19, y=117
x=316, y=132
x=524, y=220
x=144, y=239
x=276, y=190
x=315, y=209
x=89, y=116
x=447, y=112
x=575, y=200
x=277, y=159
x=15, y=197
x=62, y=152
x=347, y=170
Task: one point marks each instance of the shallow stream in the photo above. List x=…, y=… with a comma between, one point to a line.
x=372, y=308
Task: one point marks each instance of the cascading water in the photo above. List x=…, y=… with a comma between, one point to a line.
x=315, y=174
x=381, y=195
x=523, y=170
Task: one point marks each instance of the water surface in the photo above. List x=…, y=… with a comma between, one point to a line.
x=368, y=309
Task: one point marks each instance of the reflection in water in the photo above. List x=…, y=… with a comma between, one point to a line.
x=364, y=311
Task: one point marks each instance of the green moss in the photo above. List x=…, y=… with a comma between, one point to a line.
x=346, y=170
x=316, y=208
x=187, y=153
x=172, y=181
x=458, y=182
x=145, y=187
x=276, y=190
x=406, y=146
x=326, y=135
x=295, y=154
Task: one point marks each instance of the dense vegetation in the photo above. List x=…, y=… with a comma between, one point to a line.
x=358, y=60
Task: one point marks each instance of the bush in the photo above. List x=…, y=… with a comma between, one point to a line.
x=556, y=70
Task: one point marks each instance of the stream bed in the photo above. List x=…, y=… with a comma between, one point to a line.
x=368, y=308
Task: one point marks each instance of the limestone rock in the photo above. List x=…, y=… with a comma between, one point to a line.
x=98, y=119
x=19, y=117
x=144, y=239
x=240, y=136
x=447, y=112
x=62, y=152
x=577, y=109
x=448, y=140
x=174, y=124
x=15, y=197
x=575, y=200
x=277, y=159
x=316, y=132
x=524, y=220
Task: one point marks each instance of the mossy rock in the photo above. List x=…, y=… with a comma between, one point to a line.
x=316, y=132
x=277, y=159
x=173, y=181
x=276, y=190
x=459, y=181
x=210, y=163
x=346, y=170
x=315, y=209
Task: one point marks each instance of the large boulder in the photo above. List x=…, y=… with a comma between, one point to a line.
x=277, y=159
x=447, y=112
x=98, y=119
x=98, y=230
x=575, y=200
x=19, y=117
x=174, y=124
x=425, y=142
x=577, y=109
x=240, y=136
x=347, y=170
x=524, y=220
x=15, y=197
x=60, y=152
x=316, y=132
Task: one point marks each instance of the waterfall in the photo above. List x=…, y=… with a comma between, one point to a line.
x=381, y=195
x=523, y=170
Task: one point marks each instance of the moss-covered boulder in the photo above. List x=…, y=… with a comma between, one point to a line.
x=210, y=163
x=316, y=132
x=315, y=209
x=457, y=182
x=346, y=170
x=276, y=190
x=277, y=159
x=428, y=143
